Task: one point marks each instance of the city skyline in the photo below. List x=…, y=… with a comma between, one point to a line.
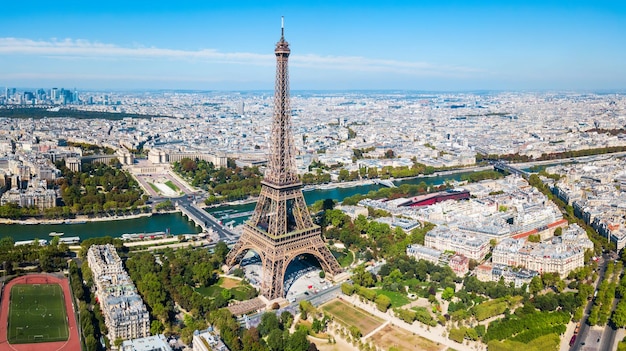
x=447, y=46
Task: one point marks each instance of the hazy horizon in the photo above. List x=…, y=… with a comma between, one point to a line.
x=366, y=45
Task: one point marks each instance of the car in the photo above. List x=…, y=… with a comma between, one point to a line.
x=306, y=293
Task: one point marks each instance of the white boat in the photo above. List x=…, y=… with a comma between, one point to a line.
x=56, y=234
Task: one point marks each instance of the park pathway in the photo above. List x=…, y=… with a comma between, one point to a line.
x=431, y=333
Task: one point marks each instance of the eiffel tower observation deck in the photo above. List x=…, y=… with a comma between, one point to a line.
x=281, y=228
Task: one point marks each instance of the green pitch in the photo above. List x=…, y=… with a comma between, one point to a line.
x=37, y=314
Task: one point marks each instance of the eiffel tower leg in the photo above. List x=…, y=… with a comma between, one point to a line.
x=273, y=277
x=234, y=254
x=327, y=259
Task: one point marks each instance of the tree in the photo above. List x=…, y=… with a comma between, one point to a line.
x=535, y=238
x=275, y=341
x=286, y=318
x=328, y=204
x=90, y=343
x=536, y=285
x=457, y=334
x=298, y=341
x=362, y=277
x=317, y=325
x=393, y=280
x=226, y=294
x=593, y=316
x=383, y=302
x=269, y=322
x=344, y=174
x=619, y=315
x=347, y=289
x=447, y=293
x=355, y=332
x=156, y=327
x=221, y=250
x=558, y=231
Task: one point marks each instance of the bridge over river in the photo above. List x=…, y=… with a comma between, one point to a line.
x=204, y=219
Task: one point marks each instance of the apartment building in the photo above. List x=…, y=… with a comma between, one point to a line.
x=125, y=314
x=552, y=256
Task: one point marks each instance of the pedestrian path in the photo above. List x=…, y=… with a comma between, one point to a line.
x=376, y=330
x=430, y=333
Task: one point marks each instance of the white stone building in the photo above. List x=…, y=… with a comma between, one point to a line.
x=125, y=314
x=541, y=257
x=470, y=245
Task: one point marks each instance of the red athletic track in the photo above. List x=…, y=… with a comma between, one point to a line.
x=72, y=343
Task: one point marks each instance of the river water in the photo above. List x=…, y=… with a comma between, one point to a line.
x=174, y=222
x=232, y=214
x=178, y=224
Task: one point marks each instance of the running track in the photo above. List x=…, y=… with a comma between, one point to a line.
x=72, y=344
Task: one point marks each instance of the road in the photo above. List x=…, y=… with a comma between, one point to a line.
x=316, y=299
x=584, y=336
x=610, y=331
x=210, y=222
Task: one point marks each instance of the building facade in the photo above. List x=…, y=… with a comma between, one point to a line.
x=423, y=253
x=125, y=314
x=470, y=245
x=542, y=257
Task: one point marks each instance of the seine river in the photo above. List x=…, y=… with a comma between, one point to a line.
x=236, y=214
x=178, y=224
x=174, y=222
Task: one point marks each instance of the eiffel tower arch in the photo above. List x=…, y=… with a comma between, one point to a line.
x=281, y=228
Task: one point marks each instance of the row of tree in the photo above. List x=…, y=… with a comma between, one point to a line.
x=91, y=321
x=550, y=156
x=47, y=258
x=224, y=183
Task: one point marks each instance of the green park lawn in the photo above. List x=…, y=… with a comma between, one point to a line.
x=397, y=299
x=172, y=186
x=344, y=259
x=154, y=187
x=239, y=291
x=37, y=314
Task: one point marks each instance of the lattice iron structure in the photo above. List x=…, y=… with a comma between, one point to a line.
x=281, y=227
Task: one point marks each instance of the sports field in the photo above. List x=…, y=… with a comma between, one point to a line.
x=37, y=314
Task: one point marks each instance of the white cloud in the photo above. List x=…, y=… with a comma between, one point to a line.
x=76, y=49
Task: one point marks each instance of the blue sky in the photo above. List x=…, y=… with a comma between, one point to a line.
x=228, y=45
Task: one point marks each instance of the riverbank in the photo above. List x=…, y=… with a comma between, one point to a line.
x=143, y=224
x=80, y=219
x=332, y=185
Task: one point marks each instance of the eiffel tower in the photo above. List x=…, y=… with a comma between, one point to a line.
x=281, y=227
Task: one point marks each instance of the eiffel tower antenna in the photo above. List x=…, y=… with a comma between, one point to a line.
x=281, y=227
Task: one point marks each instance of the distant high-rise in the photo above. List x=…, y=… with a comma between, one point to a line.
x=281, y=227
